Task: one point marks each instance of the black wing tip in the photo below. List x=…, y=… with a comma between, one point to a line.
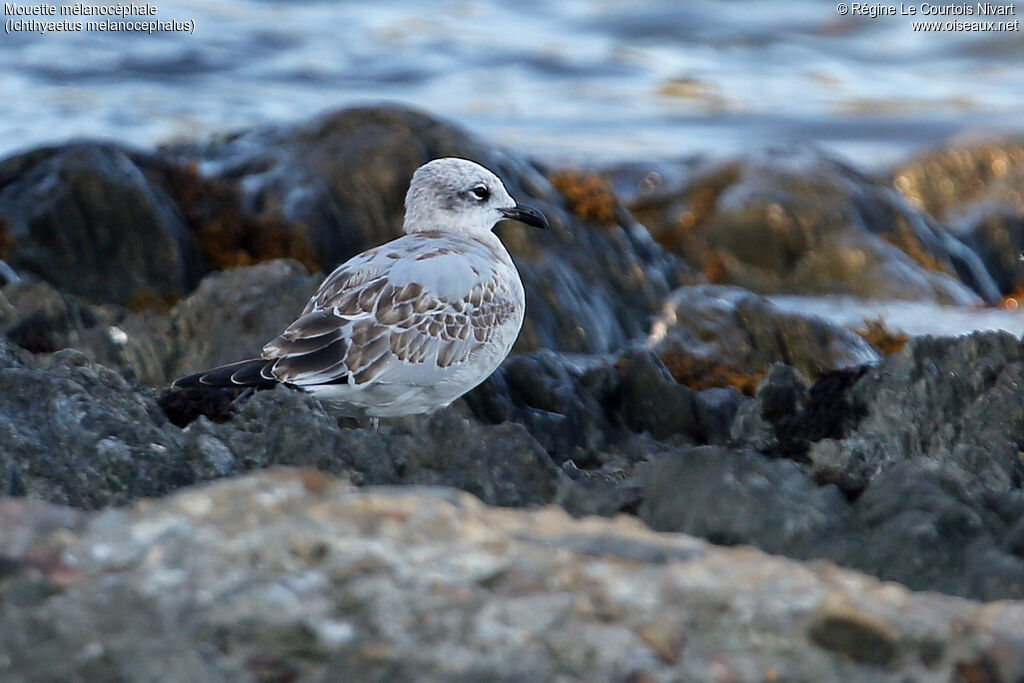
x=243, y=374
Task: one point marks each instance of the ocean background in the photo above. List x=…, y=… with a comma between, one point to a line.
x=579, y=80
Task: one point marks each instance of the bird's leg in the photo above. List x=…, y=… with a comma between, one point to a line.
x=375, y=423
x=244, y=395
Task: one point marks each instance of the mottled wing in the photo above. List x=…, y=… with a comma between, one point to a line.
x=381, y=318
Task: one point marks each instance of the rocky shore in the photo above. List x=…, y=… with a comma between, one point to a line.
x=653, y=384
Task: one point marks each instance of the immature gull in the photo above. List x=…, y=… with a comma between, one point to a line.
x=409, y=326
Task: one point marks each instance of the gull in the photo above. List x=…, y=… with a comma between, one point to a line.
x=407, y=327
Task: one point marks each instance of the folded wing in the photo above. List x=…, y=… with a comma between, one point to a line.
x=389, y=317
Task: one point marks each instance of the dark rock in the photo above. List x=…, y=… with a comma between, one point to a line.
x=228, y=235
x=560, y=399
x=83, y=217
x=726, y=336
x=41, y=319
x=229, y=317
x=782, y=221
x=232, y=314
x=79, y=434
x=951, y=400
x=996, y=234
x=925, y=446
x=787, y=417
x=716, y=409
x=732, y=497
x=651, y=401
x=918, y=518
x=584, y=408
x=501, y=464
x=591, y=287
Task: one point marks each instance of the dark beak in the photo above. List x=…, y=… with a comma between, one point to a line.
x=528, y=215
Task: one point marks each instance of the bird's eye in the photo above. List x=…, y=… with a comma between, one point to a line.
x=481, y=192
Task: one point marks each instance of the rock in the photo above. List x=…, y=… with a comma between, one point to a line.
x=585, y=408
x=292, y=574
x=39, y=318
x=713, y=335
x=651, y=401
x=733, y=498
x=77, y=433
x=84, y=217
x=975, y=189
x=924, y=447
x=600, y=418
x=796, y=221
x=919, y=517
x=952, y=400
x=232, y=314
x=592, y=287
x=943, y=181
x=996, y=234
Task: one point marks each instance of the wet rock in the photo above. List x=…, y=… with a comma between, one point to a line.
x=975, y=189
x=39, y=318
x=228, y=235
x=996, y=234
x=925, y=447
x=84, y=217
x=501, y=464
x=592, y=287
x=600, y=418
x=714, y=335
x=945, y=180
x=796, y=221
x=290, y=573
x=651, y=401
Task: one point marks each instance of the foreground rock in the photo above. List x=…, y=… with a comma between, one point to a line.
x=289, y=575
x=796, y=221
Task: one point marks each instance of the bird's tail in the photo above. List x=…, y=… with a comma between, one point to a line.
x=254, y=373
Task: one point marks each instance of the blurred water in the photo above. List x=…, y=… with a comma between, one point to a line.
x=577, y=79
x=915, y=318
